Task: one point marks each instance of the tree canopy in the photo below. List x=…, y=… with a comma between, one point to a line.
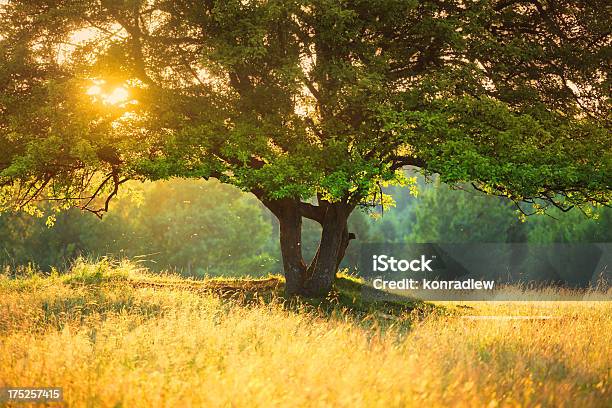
x=292, y=99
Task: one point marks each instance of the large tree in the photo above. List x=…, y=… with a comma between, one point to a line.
x=311, y=105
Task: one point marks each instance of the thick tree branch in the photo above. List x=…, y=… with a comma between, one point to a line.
x=312, y=212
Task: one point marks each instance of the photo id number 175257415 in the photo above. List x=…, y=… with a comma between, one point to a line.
x=31, y=394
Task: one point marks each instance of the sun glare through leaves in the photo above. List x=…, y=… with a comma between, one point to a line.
x=117, y=96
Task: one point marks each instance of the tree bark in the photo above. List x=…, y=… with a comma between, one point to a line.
x=315, y=280
x=335, y=237
x=290, y=222
x=287, y=211
x=346, y=238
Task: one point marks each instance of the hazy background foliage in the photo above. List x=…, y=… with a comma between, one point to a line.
x=208, y=228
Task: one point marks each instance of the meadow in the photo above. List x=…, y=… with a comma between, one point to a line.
x=115, y=335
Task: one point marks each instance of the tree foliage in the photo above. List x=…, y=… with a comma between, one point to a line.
x=174, y=225
x=291, y=99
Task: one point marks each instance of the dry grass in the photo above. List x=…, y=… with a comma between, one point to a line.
x=112, y=336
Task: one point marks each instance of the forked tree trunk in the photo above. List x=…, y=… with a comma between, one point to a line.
x=315, y=280
x=321, y=273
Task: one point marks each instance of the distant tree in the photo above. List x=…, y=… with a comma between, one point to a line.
x=571, y=227
x=465, y=215
x=300, y=99
x=171, y=225
x=26, y=239
x=181, y=225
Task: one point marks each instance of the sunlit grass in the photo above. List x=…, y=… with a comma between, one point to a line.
x=114, y=335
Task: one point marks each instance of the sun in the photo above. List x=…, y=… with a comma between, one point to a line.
x=94, y=90
x=116, y=96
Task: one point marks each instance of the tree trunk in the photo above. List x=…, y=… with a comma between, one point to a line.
x=321, y=273
x=317, y=279
x=290, y=223
x=346, y=238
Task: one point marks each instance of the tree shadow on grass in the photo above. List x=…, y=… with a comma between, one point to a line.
x=102, y=288
x=351, y=300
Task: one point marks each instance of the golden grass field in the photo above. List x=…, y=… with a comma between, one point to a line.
x=114, y=336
